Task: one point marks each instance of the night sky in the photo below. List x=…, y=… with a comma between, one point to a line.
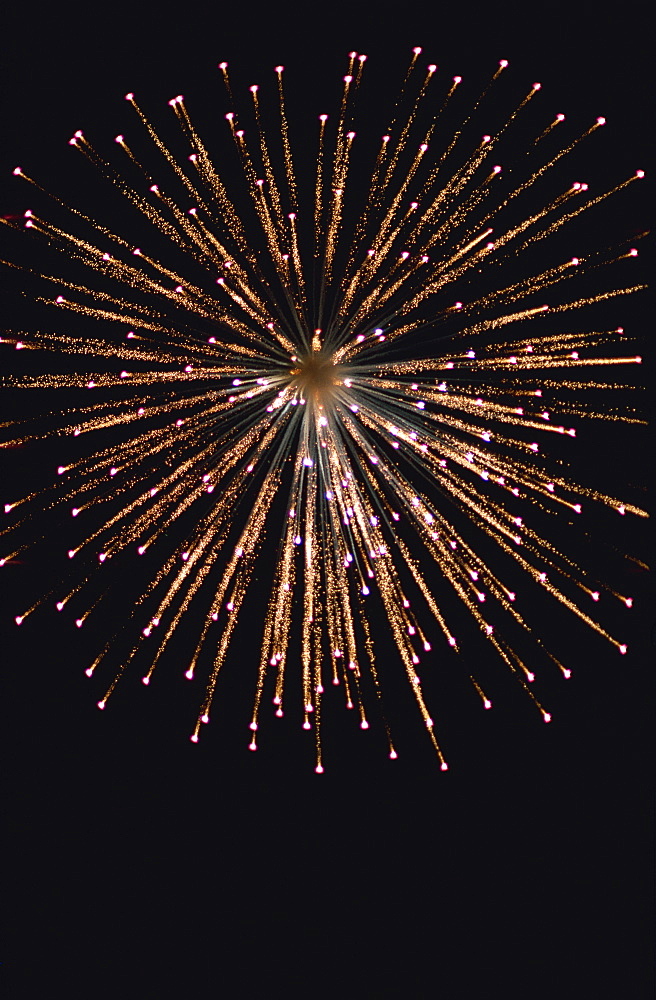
x=140, y=865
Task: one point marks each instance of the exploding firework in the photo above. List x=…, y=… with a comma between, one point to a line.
x=368, y=374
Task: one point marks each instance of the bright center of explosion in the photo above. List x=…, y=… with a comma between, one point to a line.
x=316, y=376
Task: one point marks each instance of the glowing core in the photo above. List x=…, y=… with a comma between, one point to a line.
x=316, y=375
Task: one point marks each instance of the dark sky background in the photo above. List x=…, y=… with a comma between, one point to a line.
x=136, y=860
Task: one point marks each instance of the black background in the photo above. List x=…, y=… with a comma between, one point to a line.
x=140, y=865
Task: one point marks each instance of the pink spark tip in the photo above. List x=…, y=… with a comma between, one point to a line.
x=119, y=139
x=279, y=69
x=318, y=769
x=444, y=766
x=560, y=118
x=546, y=716
x=503, y=63
x=323, y=118
x=364, y=724
x=537, y=86
x=253, y=89
x=189, y=674
x=622, y=649
x=145, y=680
x=487, y=703
x=18, y=619
x=640, y=173
x=457, y=79
x=601, y=121
x=633, y=252
x=432, y=68
x=129, y=97
x=194, y=737
x=17, y=171
x=417, y=50
x=223, y=65
x=101, y=705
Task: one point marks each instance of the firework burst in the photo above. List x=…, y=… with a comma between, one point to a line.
x=371, y=380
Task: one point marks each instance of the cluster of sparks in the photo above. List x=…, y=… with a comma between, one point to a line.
x=286, y=373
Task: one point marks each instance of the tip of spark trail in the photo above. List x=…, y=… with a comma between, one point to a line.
x=444, y=766
x=318, y=769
